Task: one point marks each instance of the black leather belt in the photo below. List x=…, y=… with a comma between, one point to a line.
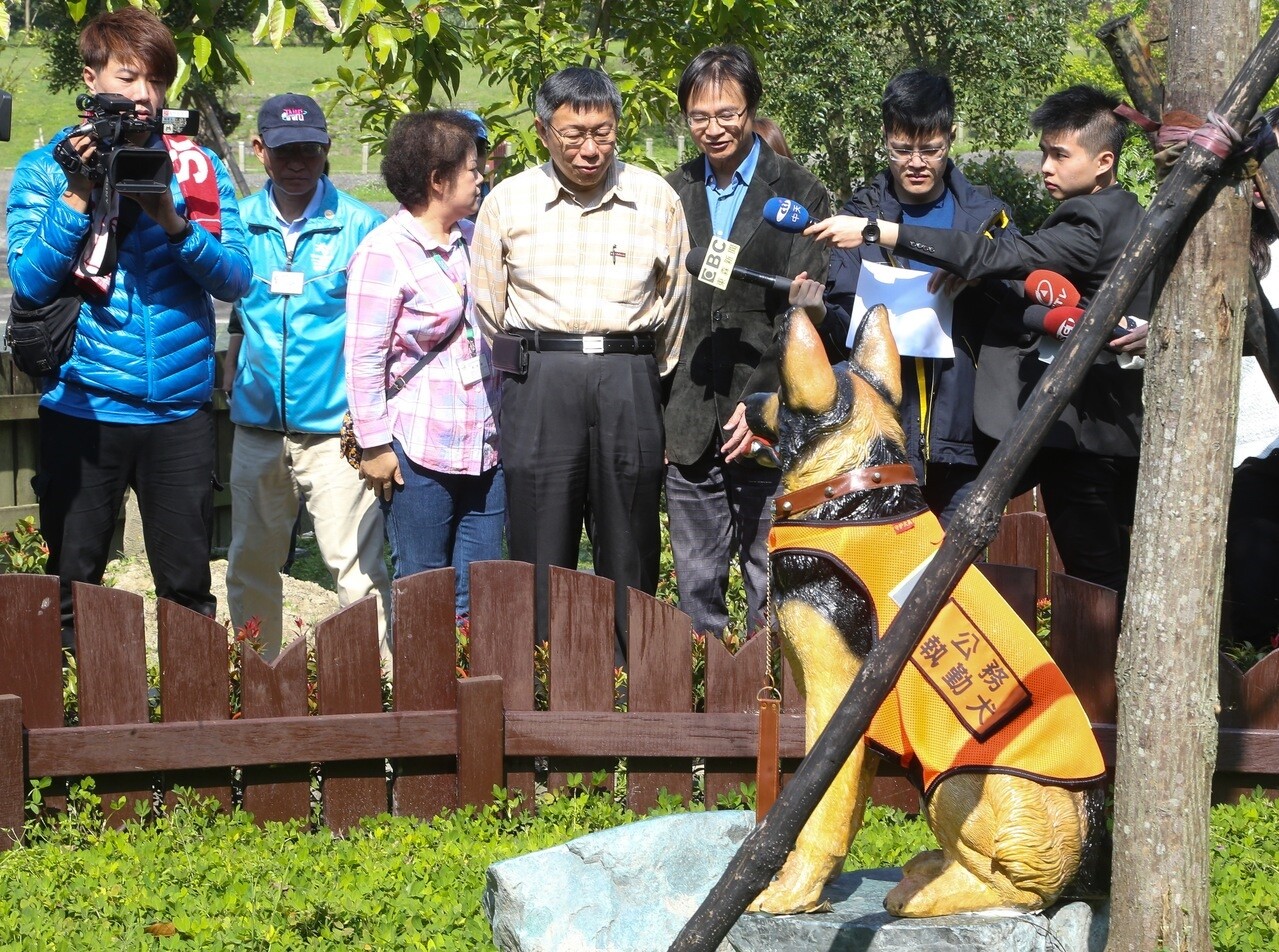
x=589, y=343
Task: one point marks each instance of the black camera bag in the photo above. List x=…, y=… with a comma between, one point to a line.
x=41, y=339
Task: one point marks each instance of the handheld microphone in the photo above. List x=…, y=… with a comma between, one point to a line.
x=697, y=257
x=1059, y=322
x=1055, y=322
x=1051, y=290
x=787, y=214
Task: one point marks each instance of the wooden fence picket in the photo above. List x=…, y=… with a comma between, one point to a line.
x=1084, y=643
x=581, y=674
x=732, y=687
x=1250, y=701
x=349, y=681
x=660, y=679
x=111, y=657
x=12, y=772
x=425, y=680
x=195, y=685
x=501, y=644
x=275, y=792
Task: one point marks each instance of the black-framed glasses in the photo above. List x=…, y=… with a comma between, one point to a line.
x=576, y=138
x=727, y=118
x=293, y=151
x=930, y=154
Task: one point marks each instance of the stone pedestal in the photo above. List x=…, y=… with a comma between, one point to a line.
x=631, y=889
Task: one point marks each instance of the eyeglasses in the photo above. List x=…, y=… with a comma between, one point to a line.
x=727, y=118
x=299, y=150
x=576, y=138
x=930, y=154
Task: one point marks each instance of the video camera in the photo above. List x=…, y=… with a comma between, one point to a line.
x=110, y=119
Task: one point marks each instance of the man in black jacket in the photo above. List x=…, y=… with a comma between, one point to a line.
x=716, y=495
x=922, y=185
x=1087, y=469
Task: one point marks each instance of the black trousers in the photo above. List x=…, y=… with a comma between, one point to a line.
x=1251, y=601
x=582, y=442
x=1089, y=500
x=85, y=466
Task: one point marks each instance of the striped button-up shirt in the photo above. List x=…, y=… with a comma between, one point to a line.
x=544, y=262
x=408, y=296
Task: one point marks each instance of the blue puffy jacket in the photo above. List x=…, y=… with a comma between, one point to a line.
x=290, y=374
x=145, y=355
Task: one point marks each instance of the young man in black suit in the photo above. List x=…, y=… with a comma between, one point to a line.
x=923, y=186
x=716, y=495
x=1087, y=468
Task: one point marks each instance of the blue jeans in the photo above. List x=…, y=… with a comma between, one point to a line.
x=439, y=519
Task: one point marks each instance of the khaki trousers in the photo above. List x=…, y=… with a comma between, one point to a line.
x=272, y=473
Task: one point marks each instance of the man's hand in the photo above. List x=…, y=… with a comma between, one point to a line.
x=162, y=210
x=380, y=470
x=947, y=284
x=738, y=433
x=1133, y=343
x=842, y=231
x=79, y=191
x=807, y=295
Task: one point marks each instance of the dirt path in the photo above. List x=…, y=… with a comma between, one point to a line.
x=305, y=600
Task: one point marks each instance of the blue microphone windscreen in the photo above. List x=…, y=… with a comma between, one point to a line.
x=786, y=214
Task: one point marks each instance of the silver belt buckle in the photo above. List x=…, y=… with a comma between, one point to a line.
x=592, y=344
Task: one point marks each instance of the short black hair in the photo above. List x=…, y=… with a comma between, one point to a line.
x=918, y=102
x=422, y=148
x=579, y=87
x=718, y=65
x=1086, y=111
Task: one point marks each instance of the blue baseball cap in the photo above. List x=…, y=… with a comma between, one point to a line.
x=481, y=130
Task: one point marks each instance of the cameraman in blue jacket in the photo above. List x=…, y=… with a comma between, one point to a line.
x=131, y=406
x=288, y=392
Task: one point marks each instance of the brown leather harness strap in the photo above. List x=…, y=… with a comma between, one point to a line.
x=872, y=477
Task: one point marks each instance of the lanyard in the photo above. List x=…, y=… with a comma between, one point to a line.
x=463, y=292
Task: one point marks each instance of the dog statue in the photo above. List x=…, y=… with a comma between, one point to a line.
x=982, y=718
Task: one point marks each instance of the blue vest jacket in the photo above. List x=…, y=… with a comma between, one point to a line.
x=145, y=354
x=290, y=375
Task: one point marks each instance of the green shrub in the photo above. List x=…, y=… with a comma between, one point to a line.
x=1029, y=202
x=211, y=880
x=23, y=549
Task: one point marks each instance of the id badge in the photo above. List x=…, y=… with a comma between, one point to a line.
x=286, y=282
x=472, y=370
x=721, y=255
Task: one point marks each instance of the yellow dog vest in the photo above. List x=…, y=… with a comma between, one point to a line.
x=980, y=693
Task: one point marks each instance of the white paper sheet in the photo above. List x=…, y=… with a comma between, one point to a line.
x=920, y=321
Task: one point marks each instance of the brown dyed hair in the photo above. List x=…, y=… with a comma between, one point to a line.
x=134, y=36
x=424, y=148
x=771, y=133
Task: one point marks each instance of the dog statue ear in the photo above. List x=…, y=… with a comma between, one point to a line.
x=761, y=415
x=875, y=356
x=807, y=376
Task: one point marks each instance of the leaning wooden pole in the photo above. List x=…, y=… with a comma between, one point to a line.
x=1176, y=207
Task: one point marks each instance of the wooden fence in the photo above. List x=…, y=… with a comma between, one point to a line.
x=449, y=740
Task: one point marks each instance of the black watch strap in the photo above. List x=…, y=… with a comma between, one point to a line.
x=870, y=234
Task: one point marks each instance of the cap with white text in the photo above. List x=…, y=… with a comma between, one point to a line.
x=290, y=118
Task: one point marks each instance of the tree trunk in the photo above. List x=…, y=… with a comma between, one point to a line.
x=1167, y=666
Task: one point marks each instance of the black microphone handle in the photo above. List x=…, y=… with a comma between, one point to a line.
x=774, y=281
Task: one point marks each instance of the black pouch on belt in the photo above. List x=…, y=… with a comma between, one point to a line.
x=510, y=354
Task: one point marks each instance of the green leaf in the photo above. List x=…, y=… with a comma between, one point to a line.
x=347, y=13
x=319, y=14
x=382, y=43
x=432, y=23
x=201, y=49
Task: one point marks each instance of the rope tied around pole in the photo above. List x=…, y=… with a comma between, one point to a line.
x=1215, y=134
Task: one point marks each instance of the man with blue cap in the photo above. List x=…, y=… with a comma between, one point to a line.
x=286, y=382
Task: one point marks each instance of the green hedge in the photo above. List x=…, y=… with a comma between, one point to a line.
x=195, y=878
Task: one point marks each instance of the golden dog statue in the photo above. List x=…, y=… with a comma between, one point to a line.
x=982, y=718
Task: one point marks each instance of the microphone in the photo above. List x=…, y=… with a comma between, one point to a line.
x=1055, y=322
x=787, y=214
x=1051, y=290
x=697, y=258
x=1060, y=321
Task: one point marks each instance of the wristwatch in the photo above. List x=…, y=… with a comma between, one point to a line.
x=870, y=234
